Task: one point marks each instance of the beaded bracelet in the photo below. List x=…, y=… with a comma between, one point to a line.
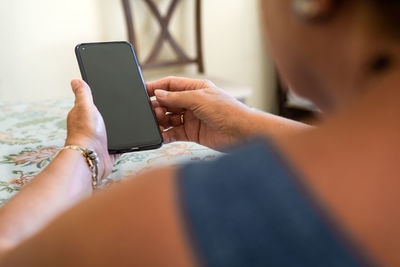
x=91, y=159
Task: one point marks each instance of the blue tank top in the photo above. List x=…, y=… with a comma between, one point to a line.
x=248, y=209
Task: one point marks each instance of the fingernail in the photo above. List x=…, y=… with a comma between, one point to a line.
x=160, y=93
x=75, y=84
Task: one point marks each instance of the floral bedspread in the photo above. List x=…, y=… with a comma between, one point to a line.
x=31, y=134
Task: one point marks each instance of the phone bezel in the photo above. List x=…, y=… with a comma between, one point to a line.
x=131, y=148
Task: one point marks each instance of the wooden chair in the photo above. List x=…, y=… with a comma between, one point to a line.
x=154, y=60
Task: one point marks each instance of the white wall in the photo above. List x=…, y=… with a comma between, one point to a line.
x=235, y=49
x=37, y=46
x=38, y=39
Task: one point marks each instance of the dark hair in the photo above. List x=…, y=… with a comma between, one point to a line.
x=388, y=15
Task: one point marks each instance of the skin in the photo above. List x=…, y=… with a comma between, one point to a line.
x=352, y=170
x=71, y=236
x=211, y=117
x=348, y=164
x=326, y=62
x=356, y=186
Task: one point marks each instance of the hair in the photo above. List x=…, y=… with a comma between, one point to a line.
x=387, y=14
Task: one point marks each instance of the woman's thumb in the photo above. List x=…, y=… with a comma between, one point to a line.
x=82, y=91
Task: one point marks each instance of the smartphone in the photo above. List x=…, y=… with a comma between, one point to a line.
x=112, y=71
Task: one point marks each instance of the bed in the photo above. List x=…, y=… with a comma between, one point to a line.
x=31, y=134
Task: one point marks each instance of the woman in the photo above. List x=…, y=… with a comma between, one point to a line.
x=325, y=196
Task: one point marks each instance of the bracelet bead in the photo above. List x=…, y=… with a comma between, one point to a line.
x=91, y=159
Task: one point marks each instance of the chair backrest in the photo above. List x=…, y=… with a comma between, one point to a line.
x=182, y=58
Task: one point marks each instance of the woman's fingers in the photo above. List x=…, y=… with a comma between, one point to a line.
x=166, y=119
x=177, y=84
x=174, y=119
x=161, y=117
x=179, y=100
x=175, y=134
x=157, y=104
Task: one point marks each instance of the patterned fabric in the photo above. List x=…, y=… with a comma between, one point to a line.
x=31, y=134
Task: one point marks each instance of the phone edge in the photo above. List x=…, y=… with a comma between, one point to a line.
x=160, y=142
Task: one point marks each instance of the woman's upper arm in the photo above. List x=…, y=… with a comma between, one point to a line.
x=136, y=223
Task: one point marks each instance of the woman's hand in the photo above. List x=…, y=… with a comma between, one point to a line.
x=85, y=127
x=211, y=117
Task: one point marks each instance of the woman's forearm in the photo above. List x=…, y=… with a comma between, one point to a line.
x=259, y=123
x=64, y=182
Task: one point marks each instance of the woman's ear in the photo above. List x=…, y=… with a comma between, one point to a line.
x=313, y=10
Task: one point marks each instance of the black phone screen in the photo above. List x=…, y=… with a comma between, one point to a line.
x=113, y=74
